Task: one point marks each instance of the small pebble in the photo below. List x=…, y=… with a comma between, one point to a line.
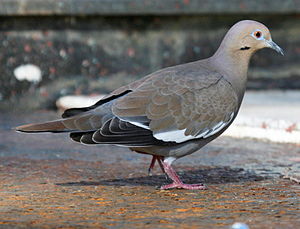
x=239, y=226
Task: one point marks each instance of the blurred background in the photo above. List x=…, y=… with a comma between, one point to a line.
x=49, y=49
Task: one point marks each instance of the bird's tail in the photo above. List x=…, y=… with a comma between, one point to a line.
x=55, y=126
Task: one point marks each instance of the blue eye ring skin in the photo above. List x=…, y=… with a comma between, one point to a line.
x=258, y=35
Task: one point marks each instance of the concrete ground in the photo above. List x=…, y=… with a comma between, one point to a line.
x=48, y=181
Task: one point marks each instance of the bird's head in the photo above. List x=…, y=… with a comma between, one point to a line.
x=248, y=36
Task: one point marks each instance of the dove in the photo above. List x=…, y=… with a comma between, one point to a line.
x=174, y=111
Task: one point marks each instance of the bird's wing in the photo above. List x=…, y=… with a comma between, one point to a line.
x=178, y=108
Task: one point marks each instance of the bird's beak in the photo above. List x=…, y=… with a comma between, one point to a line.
x=271, y=44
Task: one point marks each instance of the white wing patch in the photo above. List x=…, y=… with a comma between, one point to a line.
x=173, y=136
x=178, y=136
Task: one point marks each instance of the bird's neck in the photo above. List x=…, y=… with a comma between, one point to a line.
x=233, y=66
x=234, y=62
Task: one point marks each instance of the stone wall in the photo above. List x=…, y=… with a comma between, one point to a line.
x=84, y=47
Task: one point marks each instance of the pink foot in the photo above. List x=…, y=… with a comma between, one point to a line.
x=184, y=186
x=177, y=183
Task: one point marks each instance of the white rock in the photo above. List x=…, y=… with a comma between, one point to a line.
x=29, y=72
x=77, y=101
x=239, y=226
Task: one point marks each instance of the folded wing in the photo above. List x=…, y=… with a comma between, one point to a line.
x=178, y=109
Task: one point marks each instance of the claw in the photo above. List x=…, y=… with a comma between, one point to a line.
x=184, y=186
x=150, y=171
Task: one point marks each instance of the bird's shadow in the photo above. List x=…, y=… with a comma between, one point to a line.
x=217, y=175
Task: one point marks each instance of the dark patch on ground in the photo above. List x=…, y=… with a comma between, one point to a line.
x=218, y=175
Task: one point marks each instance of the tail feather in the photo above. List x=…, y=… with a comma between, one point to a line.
x=52, y=126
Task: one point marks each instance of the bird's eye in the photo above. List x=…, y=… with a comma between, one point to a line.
x=257, y=34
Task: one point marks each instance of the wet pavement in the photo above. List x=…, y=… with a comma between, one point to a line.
x=48, y=181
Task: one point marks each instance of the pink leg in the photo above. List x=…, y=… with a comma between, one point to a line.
x=151, y=165
x=159, y=159
x=177, y=183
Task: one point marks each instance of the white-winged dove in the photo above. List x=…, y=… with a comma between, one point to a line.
x=172, y=112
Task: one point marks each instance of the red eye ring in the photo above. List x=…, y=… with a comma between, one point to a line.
x=257, y=34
